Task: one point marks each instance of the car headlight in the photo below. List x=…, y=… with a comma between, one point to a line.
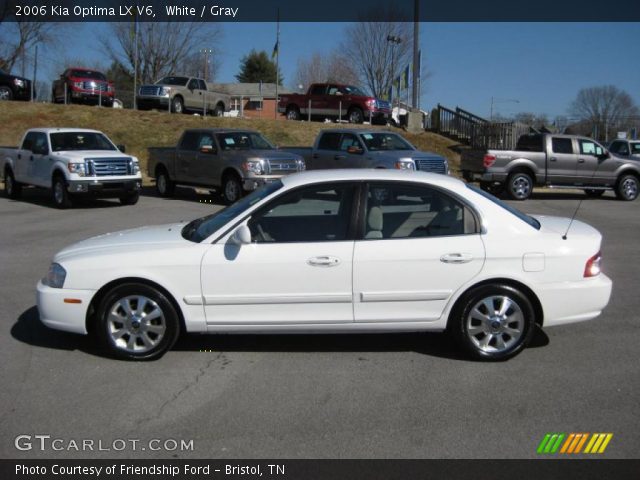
x=55, y=276
x=254, y=165
x=18, y=83
x=166, y=91
x=301, y=165
x=134, y=167
x=78, y=84
x=405, y=165
x=77, y=168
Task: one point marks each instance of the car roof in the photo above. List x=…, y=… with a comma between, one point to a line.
x=370, y=174
x=222, y=130
x=357, y=131
x=62, y=130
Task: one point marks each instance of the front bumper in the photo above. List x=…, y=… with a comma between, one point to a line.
x=152, y=102
x=253, y=183
x=104, y=188
x=91, y=96
x=22, y=93
x=569, y=302
x=60, y=315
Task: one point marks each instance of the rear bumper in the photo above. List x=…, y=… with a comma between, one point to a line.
x=470, y=176
x=569, y=302
x=60, y=315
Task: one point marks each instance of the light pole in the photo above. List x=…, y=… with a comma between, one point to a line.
x=500, y=100
x=393, y=40
x=207, y=52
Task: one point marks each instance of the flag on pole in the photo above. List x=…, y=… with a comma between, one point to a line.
x=275, y=50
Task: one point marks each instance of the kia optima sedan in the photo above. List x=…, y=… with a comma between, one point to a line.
x=334, y=251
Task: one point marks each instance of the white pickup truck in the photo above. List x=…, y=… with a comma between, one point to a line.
x=71, y=162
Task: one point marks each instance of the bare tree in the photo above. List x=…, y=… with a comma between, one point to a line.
x=370, y=53
x=320, y=68
x=533, y=119
x=607, y=107
x=163, y=48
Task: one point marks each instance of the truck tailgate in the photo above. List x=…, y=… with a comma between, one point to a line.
x=472, y=160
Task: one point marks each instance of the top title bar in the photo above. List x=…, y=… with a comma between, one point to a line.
x=324, y=11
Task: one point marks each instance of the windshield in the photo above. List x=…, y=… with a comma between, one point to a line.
x=351, y=90
x=200, y=228
x=385, y=141
x=2, y=72
x=243, y=141
x=88, y=74
x=514, y=211
x=80, y=141
x=178, y=81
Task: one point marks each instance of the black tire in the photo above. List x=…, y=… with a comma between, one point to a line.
x=53, y=97
x=61, y=196
x=589, y=192
x=293, y=113
x=69, y=98
x=164, y=185
x=231, y=188
x=471, y=331
x=218, y=111
x=12, y=189
x=494, y=189
x=355, y=115
x=177, y=105
x=129, y=336
x=627, y=187
x=519, y=186
x=6, y=93
x=130, y=198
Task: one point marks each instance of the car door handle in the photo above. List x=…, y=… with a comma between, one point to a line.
x=581, y=160
x=339, y=157
x=19, y=155
x=456, y=258
x=323, y=261
x=553, y=159
x=31, y=158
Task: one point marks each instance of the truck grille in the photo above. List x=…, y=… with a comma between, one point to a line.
x=430, y=164
x=102, y=167
x=94, y=86
x=150, y=90
x=282, y=166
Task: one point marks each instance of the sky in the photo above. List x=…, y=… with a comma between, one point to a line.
x=525, y=67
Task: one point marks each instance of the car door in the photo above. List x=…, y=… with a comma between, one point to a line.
x=22, y=165
x=594, y=167
x=186, y=157
x=418, y=246
x=297, y=269
x=563, y=161
x=40, y=163
x=351, y=153
x=324, y=156
x=193, y=95
x=205, y=168
x=318, y=98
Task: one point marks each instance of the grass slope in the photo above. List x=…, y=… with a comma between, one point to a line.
x=140, y=130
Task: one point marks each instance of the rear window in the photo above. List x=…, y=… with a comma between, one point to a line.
x=329, y=141
x=514, y=211
x=562, y=145
x=530, y=143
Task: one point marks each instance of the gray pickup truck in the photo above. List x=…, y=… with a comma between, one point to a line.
x=561, y=161
x=233, y=160
x=626, y=148
x=355, y=148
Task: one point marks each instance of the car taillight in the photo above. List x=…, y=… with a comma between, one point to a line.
x=488, y=160
x=592, y=268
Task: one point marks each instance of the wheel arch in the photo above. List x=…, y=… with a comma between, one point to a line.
x=523, y=166
x=230, y=171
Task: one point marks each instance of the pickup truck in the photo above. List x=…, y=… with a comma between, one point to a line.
x=182, y=94
x=14, y=88
x=233, y=160
x=71, y=162
x=356, y=148
x=626, y=148
x=561, y=161
x=332, y=100
x=81, y=85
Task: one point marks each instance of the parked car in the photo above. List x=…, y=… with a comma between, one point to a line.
x=82, y=85
x=236, y=161
x=14, y=88
x=182, y=94
x=333, y=100
x=629, y=149
x=334, y=251
x=561, y=161
x=71, y=162
x=355, y=148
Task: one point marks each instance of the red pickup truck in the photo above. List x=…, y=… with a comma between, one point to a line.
x=333, y=100
x=83, y=86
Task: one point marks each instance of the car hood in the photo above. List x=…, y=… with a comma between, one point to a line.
x=413, y=154
x=275, y=154
x=82, y=154
x=144, y=237
x=559, y=225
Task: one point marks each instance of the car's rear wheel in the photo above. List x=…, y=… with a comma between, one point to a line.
x=628, y=187
x=293, y=113
x=130, y=198
x=61, y=196
x=12, y=188
x=136, y=322
x=356, y=115
x=493, y=322
x=164, y=184
x=5, y=93
x=218, y=111
x=231, y=188
x=519, y=186
x=593, y=193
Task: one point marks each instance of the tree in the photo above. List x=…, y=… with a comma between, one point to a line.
x=257, y=67
x=606, y=107
x=321, y=68
x=533, y=119
x=370, y=53
x=163, y=47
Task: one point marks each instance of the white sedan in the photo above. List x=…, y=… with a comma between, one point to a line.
x=334, y=251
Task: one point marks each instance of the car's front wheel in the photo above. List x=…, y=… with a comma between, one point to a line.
x=493, y=322
x=136, y=322
x=628, y=187
x=130, y=198
x=61, y=196
x=231, y=188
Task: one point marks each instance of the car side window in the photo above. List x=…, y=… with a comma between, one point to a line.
x=190, y=141
x=320, y=213
x=349, y=140
x=589, y=147
x=206, y=139
x=40, y=144
x=329, y=141
x=193, y=84
x=623, y=149
x=29, y=141
x=318, y=90
x=562, y=145
x=202, y=85
x=396, y=210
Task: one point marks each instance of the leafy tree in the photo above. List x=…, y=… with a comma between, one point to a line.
x=256, y=67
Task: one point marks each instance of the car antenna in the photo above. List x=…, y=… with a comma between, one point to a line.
x=564, y=237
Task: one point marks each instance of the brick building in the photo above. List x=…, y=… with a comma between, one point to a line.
x=252, y=100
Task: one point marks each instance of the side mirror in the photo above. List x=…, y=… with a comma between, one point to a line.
x=208, y=149
x=242, y=236
x=354, y=149
x=41, y=150
x=122, y=148
x=604, y=155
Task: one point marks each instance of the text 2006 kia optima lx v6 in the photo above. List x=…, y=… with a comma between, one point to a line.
x=334, y=251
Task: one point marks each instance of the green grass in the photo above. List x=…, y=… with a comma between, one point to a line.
x=141, y=130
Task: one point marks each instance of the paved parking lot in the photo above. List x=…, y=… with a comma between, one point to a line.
x=340, y=396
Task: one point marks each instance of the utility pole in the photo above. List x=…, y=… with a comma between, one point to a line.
x=394, y=40
x=35, y=72
x=416, y=58
x=135, y=61
x=277, y=52
x=207, y=52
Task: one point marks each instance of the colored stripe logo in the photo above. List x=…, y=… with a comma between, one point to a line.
x=574, y=443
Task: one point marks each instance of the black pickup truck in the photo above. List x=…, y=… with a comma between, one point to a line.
x=14, y=88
